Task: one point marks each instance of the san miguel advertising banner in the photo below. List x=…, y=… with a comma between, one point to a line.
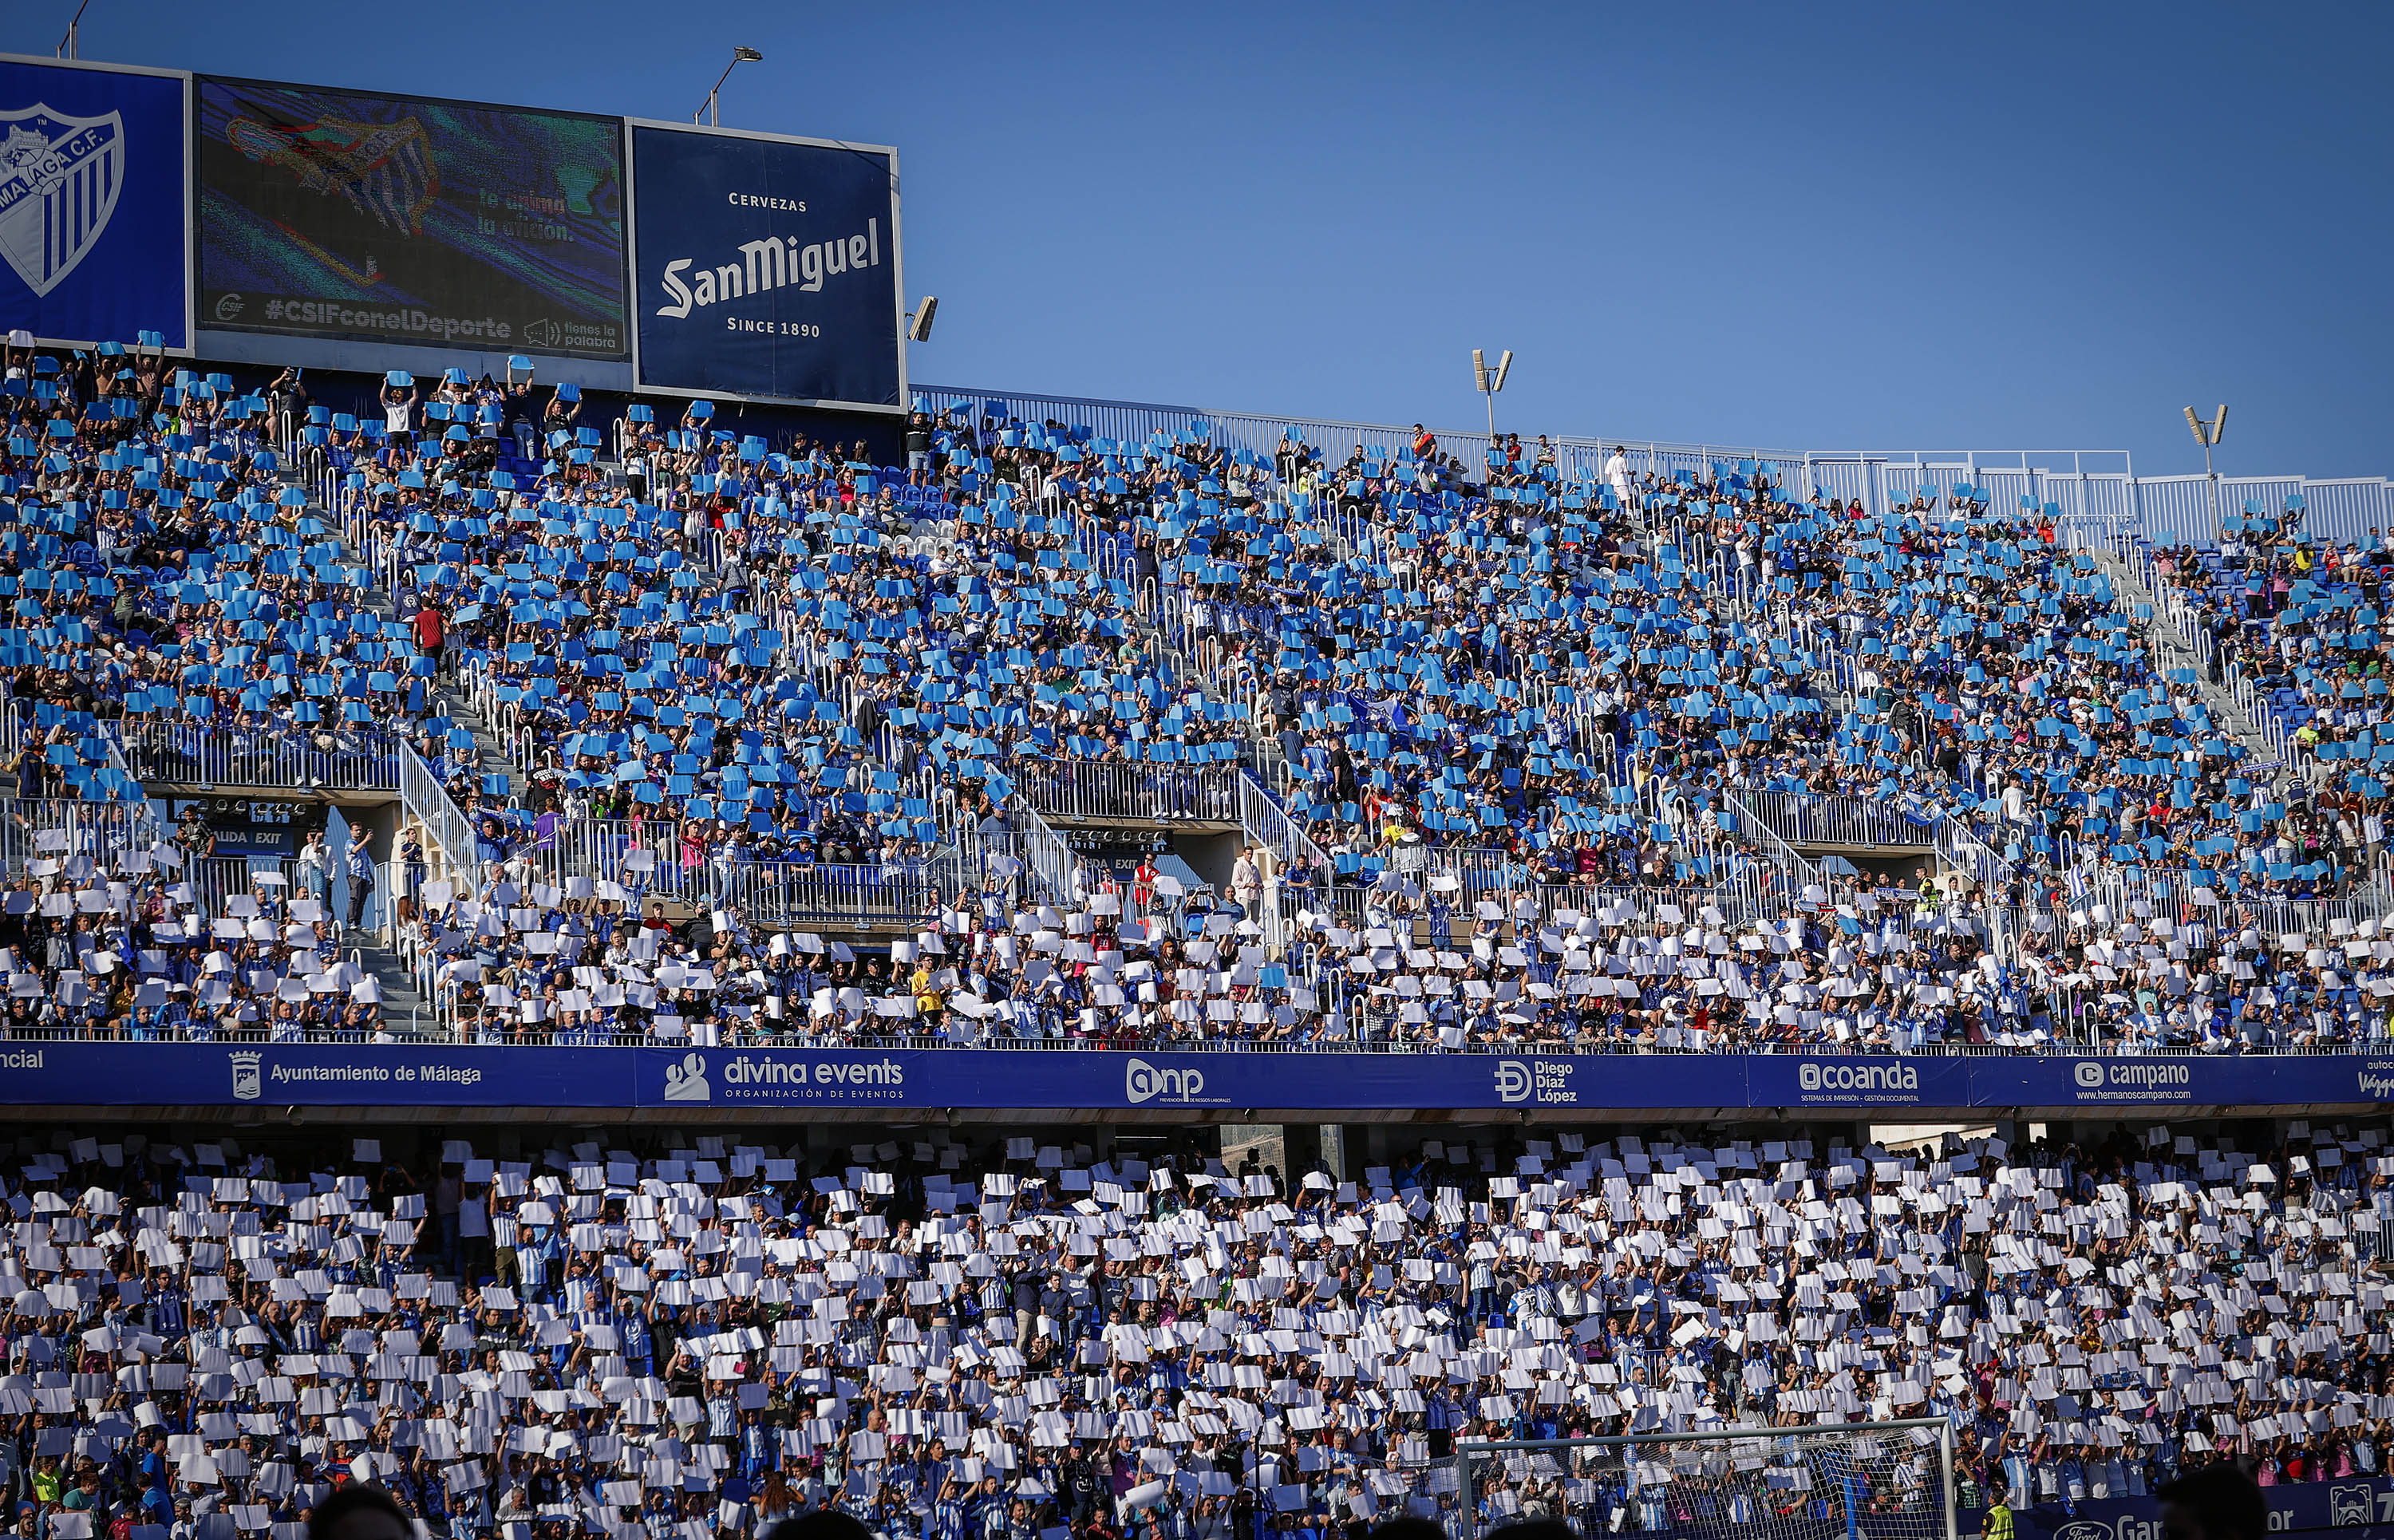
x=762, y=1079
x=93, y=203
x=410, y=220
x=766, y=267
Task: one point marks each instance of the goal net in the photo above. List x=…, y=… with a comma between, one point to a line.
x=1888, y=1481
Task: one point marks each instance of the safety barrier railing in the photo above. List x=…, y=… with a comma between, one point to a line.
x=908, y=895
x=17, y=726
x=1083, y=789
x=1054, y=870
x=803, y=1032
x=113, y=742
x=115, y=835
x=448, y=833
x=1965, y=852
x=2118, y=889
x=650, y=860
x=1804, y=818
x=2140, y=593
x=2137, y=558
x=1269, y=825
x=2130, y=560
x=329, y=758
x=1878, y=478
x=502, y=721
x=1756, y=891
x=1799, y=871
x=798, y=1033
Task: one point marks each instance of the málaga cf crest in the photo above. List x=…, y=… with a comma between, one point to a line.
x=58, y=181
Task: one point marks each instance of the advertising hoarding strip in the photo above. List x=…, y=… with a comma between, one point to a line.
x=1200, y=1083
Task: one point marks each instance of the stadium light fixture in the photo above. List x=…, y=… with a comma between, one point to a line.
x=918, y=320
x=1489, y=384
x=740, y=54
x=2208, y=435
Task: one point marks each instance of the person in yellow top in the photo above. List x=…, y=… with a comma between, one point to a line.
x=1998, y=1523
x=926, y=992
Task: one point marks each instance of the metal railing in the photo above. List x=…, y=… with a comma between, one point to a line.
x=1130, y=790
x=2119, y=887
x=2141, y=566
x=1054, y=870
x=116, y=836
x=1267, y=823
x=330, y=757
x=1966, y=853
x=834, y=1035
x=1807, y=817
x=1799, y=871
x=652, y=861
x=1878, y=478
x=448, y=833
x=1752, y=893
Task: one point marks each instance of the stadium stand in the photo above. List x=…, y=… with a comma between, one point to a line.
x=1519, y=752
x=643, y=1335
x=704, y=740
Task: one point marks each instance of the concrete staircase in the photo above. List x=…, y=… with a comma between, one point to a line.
x=489, y=753
x=491, y=756
x=406, y=1010
x=2179, y=659
x=404, y=1006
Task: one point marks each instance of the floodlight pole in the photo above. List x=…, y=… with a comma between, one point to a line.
x=70, y=46
x=741, y=54
x=2208, y=435
x=1489, y=381
x=2211, y=476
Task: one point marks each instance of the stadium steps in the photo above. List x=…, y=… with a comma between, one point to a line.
x=2177, y=657
x=491, y=756
x=404, y=1009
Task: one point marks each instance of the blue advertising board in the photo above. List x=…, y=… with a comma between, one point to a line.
x=766, y=267
x=1196, y=1085
x=95, y=202
x=2352, y=1508
x=2359, y=1507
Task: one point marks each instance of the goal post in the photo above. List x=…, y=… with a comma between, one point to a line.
x=1873, y=1480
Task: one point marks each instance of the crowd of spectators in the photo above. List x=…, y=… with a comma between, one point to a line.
x=653, y=1334
x=170, y=582
x=1498, y=698
x=157, y=946
x=527, y=959
x=1520, y=712
x=2296, y=623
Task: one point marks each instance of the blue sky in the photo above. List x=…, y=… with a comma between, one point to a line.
x=1861, y=227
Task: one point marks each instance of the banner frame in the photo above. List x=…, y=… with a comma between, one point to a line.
x=641, y=383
